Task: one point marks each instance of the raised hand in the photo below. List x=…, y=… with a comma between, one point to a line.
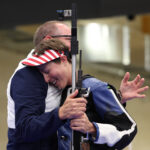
x=132, y=89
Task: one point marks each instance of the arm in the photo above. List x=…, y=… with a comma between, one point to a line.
x=28, y=91
x=117, y=128
x=132, y=89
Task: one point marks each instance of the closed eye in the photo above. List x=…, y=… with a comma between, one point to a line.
x=45, y=71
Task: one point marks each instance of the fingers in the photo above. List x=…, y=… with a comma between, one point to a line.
x=76, y=122
x=72, y=110
x=140, y=82
x=132, y=89
x=72, y=97
x=78, y=128
x=126, y=77
x=141, y=96
x=73, y=107
x=139, y=91
x=137, y=79
x=66, y=112
x=80, y=120
x=80, y=100
x=74, y=94
x=74, y=114
x=143, y=89
x=82, y=124
x=79, y=124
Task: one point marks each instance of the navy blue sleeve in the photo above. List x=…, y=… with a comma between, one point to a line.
x=29, y=90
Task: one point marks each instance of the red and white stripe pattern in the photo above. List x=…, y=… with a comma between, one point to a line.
x=47, y=56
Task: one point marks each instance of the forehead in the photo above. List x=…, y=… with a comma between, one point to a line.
x=64, y=29
x=48, y=66
x=43, y=67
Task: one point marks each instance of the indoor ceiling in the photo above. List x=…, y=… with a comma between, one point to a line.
x=23, y=12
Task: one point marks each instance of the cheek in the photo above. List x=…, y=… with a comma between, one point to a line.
x=68, y=44
x=55, y=74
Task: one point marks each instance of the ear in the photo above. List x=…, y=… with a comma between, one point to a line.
x=47, y=37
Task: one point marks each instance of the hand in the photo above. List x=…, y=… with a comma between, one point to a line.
x=72, y=107
x=132, y=89
x=82, y=124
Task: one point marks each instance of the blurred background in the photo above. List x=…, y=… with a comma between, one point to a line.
x=114, y=37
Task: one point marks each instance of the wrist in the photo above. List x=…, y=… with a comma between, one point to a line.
x=60, y=114
x=92, y=131
x=94, y=135
x=121, y=97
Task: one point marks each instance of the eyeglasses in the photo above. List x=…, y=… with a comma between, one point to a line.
x=55, y=36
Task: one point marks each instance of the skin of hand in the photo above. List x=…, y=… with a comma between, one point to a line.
x=72, y=107
x=82, y=124
x=132, y=89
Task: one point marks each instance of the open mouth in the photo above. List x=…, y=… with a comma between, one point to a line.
x=54, y=83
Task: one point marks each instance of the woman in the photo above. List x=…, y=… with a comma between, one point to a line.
x=107, y=123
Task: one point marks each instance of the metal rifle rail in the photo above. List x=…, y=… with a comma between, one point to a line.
x=74, y=47
x=74, y=52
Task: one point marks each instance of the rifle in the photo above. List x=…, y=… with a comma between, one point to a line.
x=75, y=145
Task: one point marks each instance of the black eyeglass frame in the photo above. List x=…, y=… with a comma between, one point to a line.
x=55, y=36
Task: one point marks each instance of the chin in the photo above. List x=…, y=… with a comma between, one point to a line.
x=61, y=87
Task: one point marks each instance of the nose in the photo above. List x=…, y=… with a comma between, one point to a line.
x=46, y=78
